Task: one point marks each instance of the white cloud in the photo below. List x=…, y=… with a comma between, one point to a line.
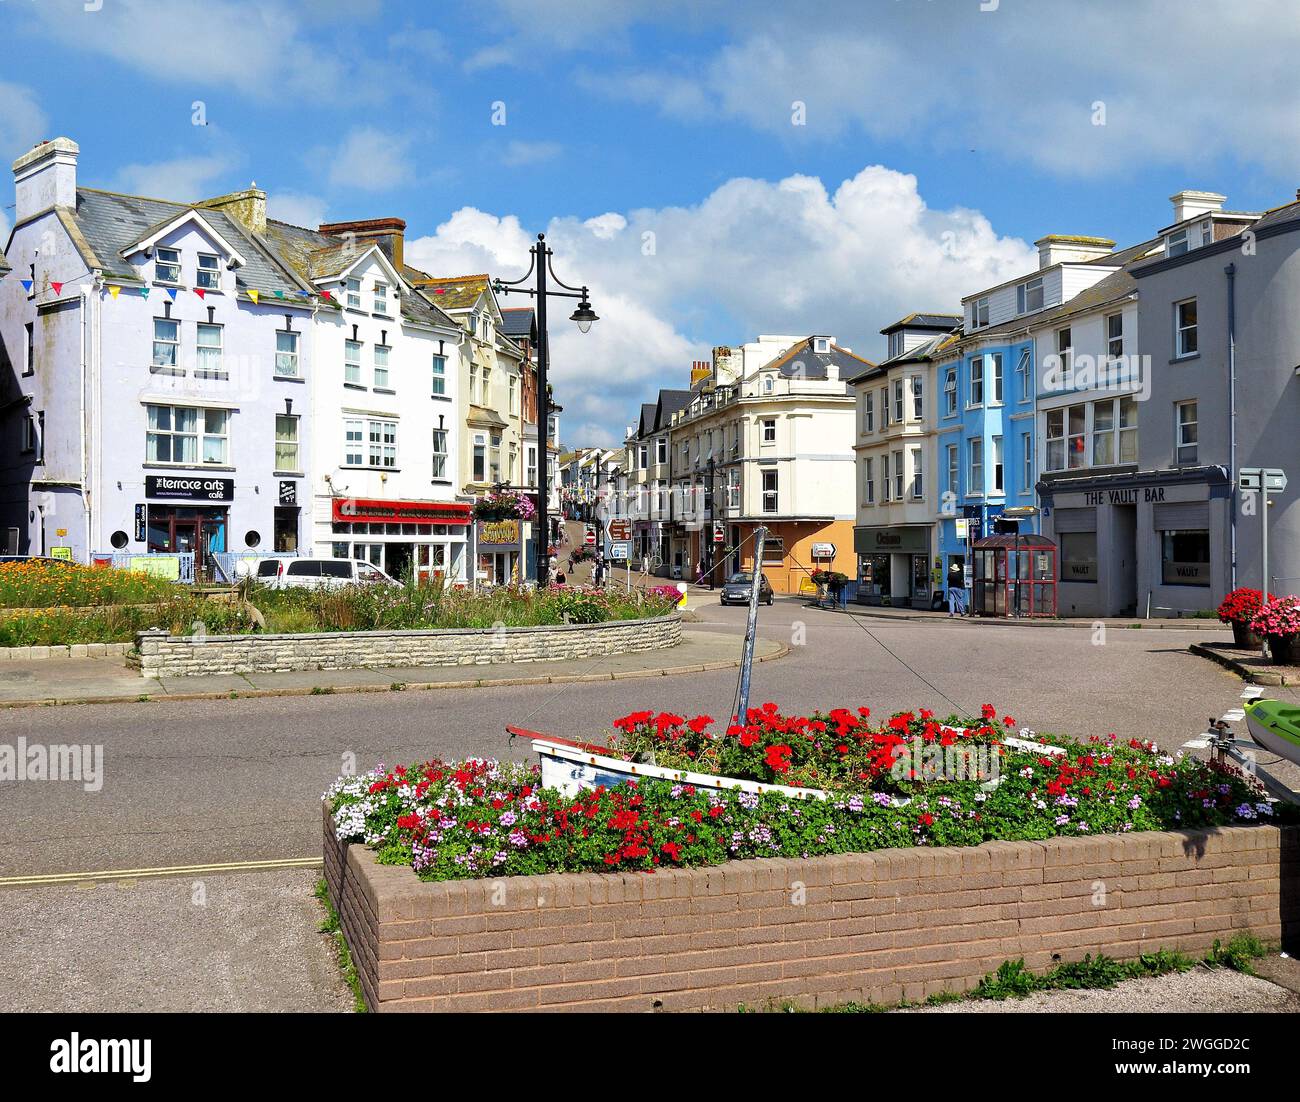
x=370, y=159
x=519, y=154
x=297, y=208
x=754, y=256
x=22, y=122
x=182, y=179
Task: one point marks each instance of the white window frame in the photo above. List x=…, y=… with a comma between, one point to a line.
x=286, y=361
x=352, y=293
x=381, y=298
x=208, y=276
x=918, y=475
x=1027, y=461
x=900, y=404
x=1181, y=442
x=954, y=469
x=999, y=470
x=438, y=377
x=976, y=382
x=205, y=362
x=479, y=467
x=381, y=441
x=174, y=344
x=202, y=435
x=918, y=397
x=768, y=425
x=975, y=480
x=1022, y=369
x=380, y=362
x=167, y=268
x=898, y=475
x=439, y=453
x=979, y=313
x=288, y=448
x=868, y=412
x=950, y=392
x=886, y=483
x=994, y=360
x=1186, y=337
x=351, y=362
x=868, y=479
x=771, y=496
x=1114, y=340
x=1030, y=296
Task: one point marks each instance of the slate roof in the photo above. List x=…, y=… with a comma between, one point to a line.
x=670, y=401
x=519, y=321
x=109, y=222
x=800, y=361
x=919, y=354
x=944, y=322
x=647, y=422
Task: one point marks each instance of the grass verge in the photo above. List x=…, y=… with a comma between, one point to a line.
x=330, y=925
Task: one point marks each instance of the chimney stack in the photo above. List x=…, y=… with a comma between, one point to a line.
x=1059, y=248
x=388, y=233
x=1192, y=204
x=247, y=207
x=45, y=177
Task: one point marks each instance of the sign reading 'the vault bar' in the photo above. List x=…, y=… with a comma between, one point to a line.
x=184, y=487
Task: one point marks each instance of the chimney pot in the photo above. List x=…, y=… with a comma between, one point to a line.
x=1192, y=204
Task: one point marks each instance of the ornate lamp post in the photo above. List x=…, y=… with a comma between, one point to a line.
x=583, y=316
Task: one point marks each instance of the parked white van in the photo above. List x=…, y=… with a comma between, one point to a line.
x=288, y=573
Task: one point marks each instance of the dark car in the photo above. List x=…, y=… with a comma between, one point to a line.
x=736, y=591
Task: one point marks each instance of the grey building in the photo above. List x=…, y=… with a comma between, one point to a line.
x=1220, y=336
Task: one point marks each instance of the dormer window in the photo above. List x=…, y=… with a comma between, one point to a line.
x=822, y=345
x=895, y=344
x=1176, y=243
x=167, y=266
x=352, y=287
x=769, y=384
x=1029, y=296
x=979, y=313
x=381, y=298
x=208, y=275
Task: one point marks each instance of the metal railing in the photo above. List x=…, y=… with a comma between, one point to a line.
x=156, y=562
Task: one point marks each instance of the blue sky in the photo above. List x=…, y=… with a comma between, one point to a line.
x=938, y=141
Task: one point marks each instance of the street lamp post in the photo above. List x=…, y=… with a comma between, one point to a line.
x=583, y=316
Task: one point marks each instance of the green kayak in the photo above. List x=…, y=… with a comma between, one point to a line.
x=1275, y=726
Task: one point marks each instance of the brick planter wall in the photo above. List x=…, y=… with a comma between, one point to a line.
x=164, y=655
x=873, y=927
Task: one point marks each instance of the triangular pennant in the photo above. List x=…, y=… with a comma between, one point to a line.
x=58, y=287
x=27, y=284
x=304, y=294
x=279, y=294
x=144, y=292
x=254, y=295
x=200, y=292
x=113, y=290
x=326, y=294
x=172, y=291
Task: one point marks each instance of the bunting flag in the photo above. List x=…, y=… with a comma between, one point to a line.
x=254, y=295
x=27, y=285
x=304, y=294
x=58, y=287
x=114, y=289
x=200, y=292
x=171, y=291
x=326, y=294
x=144, y=292
x=278, y=294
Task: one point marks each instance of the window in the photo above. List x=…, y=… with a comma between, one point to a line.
x=1176, y=243
x=1078, y=556
x=286, y=442
x=353, y=440
x=439, y=385
x=868, y=480
x=1185, y=328
x=769, y=492
x=954, y=474
x=381, y=366
x=480, y=458
x=868, y=412
x=642, y=457
x=209, y=349
x=895, y=344
x=352, y=292
x=950, y=391
x=995, y=370
x=1185, y=435
x=1029, y=296
x=918, y=398
x=1065, y=438
x=1185, y=557
x=769, y=430
x=166, y=342
x=286, y=354
x=167, y=266
x=977, y=381
x=661, y=450
x=769, y=384
x=885, y=483
x=1022, y=369
x=208, y=275
x=181, y=434
x=531, y=474
x=352, y=362
x=381, y=298
x=979, y=313
x=513, y=382
x=494, y=457
x=733, y=489
x=440, y=453
x=383, y=443
x=998, y=484
x=31, y=439
x=1027, y=454
x=1065, y=349
x=1114, y=431
x=29, y=360
x=976, y=480
x=918, y=480
x=898, y=476
x=513, y=462
x=1115, y=336
x=486, y=381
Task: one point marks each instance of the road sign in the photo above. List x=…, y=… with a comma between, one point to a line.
x=620, y=530
x=963, y=527
x=719, y=532
x=1272, y=479
x=590, y=536
x=620, y=550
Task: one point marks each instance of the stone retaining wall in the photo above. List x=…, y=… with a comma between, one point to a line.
x=70, y=650
x=873, y=927
x=164, y=655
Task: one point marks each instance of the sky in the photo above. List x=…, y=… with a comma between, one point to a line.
x=712, y=169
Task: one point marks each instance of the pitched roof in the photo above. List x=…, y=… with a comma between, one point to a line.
x=801, y=361
x=519, y=321
x=108, y=222
x=920, y=353
x=944, y=322
x=647, y=423
x=455, y=292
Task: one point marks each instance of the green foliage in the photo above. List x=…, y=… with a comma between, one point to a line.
x=331, y=925
x=1239, y=954
x=41, y=584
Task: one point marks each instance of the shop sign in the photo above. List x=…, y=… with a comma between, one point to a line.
x=288, y=493
x=362, y=510
x=963, y=528
x=185, y=487
x=61, y=553
x=1149, y=494
x=880, y=541
x=140, y=528
x=1186, y=573
x=498, y=533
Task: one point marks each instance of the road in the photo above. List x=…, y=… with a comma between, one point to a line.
x=234, y=780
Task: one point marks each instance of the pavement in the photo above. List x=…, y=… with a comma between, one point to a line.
x=109, y=680
x=1162, y=623
x=1247, y=664
x=212, y=781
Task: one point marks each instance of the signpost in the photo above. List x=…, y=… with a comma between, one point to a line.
x=620, y=530
x=1263, y=481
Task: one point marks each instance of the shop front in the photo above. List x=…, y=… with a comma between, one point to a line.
x=187, y=514
x=498, y=552
x=894, y=566
x=1133, y=541
x=423, y=540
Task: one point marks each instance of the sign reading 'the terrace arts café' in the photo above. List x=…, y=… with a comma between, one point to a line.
x=185, y=487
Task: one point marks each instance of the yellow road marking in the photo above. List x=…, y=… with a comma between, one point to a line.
x=166, y=870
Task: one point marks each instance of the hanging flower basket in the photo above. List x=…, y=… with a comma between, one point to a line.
x=504, y=505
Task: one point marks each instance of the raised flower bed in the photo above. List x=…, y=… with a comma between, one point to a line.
x=765, y=894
